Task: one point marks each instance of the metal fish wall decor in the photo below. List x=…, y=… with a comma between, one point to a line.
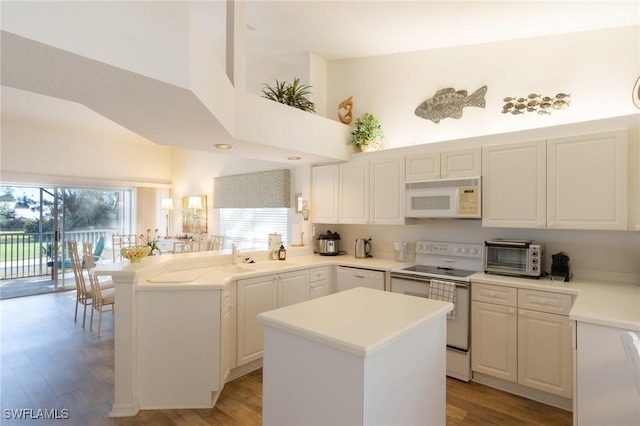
x=449, y=103
x=543, y=105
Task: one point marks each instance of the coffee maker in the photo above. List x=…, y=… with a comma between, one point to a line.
x=560, y=266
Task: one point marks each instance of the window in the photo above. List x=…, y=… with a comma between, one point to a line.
x=249, y=228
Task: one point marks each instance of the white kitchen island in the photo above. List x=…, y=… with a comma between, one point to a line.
x=358, y=357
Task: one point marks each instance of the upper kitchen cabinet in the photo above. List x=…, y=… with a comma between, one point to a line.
x=359, y=192
x=577, y=182
x=514, y=185
x=587, y=181
x=386, y=191
x=445, y=164
x=353, y=204
x=324, y=193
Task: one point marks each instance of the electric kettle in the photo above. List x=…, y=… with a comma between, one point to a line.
x=363, y=248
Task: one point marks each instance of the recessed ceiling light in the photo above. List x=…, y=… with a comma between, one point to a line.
x=293, y=157
x=223, y=146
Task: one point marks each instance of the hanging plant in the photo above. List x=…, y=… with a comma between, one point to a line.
x=367, y=134
x=294, y=95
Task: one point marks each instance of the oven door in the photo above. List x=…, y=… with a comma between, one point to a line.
x=458, y=328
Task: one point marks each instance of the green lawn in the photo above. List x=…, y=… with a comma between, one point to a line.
x=21, y=251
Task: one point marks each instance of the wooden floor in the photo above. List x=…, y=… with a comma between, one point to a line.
x=49, y=362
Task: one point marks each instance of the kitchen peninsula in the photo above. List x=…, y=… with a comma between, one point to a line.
x=166, y=303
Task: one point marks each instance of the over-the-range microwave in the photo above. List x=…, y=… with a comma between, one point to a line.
x=444, y=198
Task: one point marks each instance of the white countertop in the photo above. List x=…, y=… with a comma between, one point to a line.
x=608, y=303
x=360, y=321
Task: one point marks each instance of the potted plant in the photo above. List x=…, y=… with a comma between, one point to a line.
x=294, y=95
x=368, y=133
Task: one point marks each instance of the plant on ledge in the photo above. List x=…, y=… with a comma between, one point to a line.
x=294, y=95
x=368, y=133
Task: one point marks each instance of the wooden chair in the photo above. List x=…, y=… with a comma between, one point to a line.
x=102, y=300
x=200, y=242
x=216, y=242
x=122, y=240
x=183, y=246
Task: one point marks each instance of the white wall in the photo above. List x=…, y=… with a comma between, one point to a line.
x=192, y=173
x=149, y=38
x=37, y=153
x=598, y=69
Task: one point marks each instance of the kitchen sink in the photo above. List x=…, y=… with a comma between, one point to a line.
x=236, y=269
x=269, y=265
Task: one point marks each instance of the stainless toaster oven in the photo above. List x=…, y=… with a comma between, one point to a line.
x=521, y=258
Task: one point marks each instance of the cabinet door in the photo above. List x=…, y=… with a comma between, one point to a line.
x=461, y=163
x=422, y=166
x=494, y=335
x=293, y=287
x=387, y=192
x=545, y=357
x=588, y=181
x=324, y=193
x=255, y=295
x=354, y=192
x=318, y=289
x=514, y=185
x=226, y=318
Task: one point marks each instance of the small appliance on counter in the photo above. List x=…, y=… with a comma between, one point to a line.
x=560, y=267
x=401, y=251
x=329, y=244
x=519, y=258
x=363, y=248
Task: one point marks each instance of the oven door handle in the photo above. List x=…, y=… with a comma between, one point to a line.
x=427, y=280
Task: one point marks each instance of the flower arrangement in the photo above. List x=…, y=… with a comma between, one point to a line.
x=150, y=240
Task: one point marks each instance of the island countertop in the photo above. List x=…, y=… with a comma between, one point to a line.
x=360, y=321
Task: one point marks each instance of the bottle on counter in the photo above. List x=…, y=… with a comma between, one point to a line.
x=282, y=253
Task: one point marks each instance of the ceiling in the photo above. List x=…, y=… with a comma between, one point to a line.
x=354, y=28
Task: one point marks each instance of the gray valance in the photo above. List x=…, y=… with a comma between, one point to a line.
x=253, y=190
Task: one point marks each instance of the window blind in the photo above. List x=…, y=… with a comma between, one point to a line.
x=250, y=228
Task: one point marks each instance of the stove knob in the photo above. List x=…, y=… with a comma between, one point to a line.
x=465, y=250
x=458, y=250
x=474, y=251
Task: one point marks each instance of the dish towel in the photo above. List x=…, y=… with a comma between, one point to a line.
x=446, y=292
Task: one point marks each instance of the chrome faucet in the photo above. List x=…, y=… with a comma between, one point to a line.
x=235, y=254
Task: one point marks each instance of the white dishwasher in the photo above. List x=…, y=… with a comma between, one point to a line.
x=349, y=278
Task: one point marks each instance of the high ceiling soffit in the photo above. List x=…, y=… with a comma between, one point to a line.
x=160, y=112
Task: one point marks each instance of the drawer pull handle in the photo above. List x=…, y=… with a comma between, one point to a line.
x=543, y=302
x=492, y=294
x=521, y=313
x=512, y=311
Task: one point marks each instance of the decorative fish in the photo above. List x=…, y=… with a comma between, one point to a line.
x=449, y=103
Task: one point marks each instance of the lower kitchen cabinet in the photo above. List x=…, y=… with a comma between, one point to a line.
x=320, y=282
x=530, y=347
x=262, y=294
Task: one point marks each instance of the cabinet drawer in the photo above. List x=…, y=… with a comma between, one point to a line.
x=496, y=294
x=544, y=301
x=318, y=274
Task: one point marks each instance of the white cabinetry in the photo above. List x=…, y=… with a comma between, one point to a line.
x=587, y=181
x=514, y=185
x=522, y=336
x=386, y=191
x=359, y=192
x=577, y=182
x=324, y=193
x=320, y=283
x=446, y=164
x=261, y=294
x=353, y=205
